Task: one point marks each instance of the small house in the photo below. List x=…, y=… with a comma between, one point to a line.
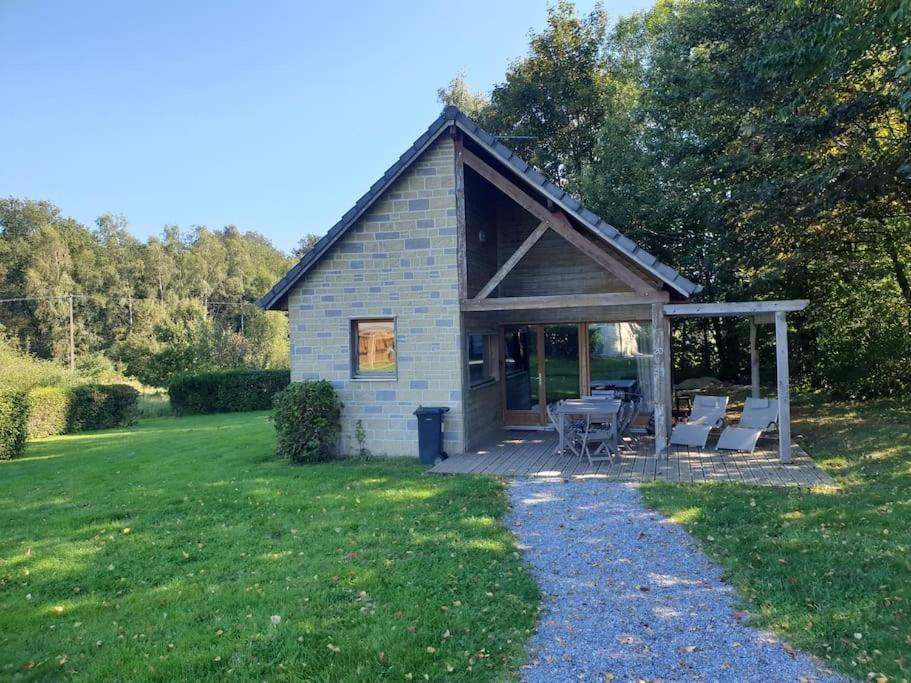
x=463, y=278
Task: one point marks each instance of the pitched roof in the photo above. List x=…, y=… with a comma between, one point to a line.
x=451, y=116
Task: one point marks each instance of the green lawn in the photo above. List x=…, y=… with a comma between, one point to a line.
x=830, y=572
x=171, y=550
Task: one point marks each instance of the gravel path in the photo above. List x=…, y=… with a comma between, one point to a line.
x=629, y=595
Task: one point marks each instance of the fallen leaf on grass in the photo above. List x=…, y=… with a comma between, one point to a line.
x=334, y=648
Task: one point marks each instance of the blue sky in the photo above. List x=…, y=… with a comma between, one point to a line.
x=273, y=116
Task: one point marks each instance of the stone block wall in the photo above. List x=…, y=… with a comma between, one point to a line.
x=399, y=260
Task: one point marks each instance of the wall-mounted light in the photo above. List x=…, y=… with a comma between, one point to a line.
x=482, y=237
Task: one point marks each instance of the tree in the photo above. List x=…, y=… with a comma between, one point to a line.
x=304, y=245
x=554, y=99
x=458, y=93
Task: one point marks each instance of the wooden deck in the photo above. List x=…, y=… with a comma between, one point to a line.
x=532, y=454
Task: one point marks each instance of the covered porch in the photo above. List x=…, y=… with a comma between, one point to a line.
x=518, y=453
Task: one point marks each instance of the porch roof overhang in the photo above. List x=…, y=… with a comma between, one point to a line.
x=728, y=309
x=758, y=312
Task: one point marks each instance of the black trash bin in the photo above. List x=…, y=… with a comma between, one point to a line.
x=430, y=433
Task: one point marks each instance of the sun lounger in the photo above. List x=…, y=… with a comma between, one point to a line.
x=759, y=415
x=707, y=414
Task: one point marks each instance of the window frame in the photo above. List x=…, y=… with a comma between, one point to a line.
x=489, y=358
x=356, y=374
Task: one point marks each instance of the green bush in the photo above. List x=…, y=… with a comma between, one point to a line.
x=64, y=410
x=13, y=424
x=48, y=411
x=226, y=392
x=101, y=406
x=307, y=418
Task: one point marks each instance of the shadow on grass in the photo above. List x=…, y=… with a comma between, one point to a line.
x=830, y=572
x=174, y=544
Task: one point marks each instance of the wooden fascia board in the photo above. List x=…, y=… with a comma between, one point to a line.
x=561, y=301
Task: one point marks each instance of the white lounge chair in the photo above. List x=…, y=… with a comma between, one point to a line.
x=707, y=414
x=759, y=415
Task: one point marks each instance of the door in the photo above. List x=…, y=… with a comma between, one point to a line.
x=541, y=366
x=522, y=374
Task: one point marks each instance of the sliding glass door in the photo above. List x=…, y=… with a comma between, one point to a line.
x=543, y=364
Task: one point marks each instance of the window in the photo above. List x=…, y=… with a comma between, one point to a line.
x=481, y=359
x=620, y=359
x=373, y=349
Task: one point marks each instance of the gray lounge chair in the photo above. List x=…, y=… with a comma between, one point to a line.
x=707, y=414
x=759, y=415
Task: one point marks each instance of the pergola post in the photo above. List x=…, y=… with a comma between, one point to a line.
x=784, y=402
x=661, y=349
x=754, y=360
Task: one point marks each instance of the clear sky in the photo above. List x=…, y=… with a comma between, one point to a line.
x=273, y=116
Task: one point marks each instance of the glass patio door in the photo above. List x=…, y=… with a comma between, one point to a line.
x=523, y=375
x=540, y=366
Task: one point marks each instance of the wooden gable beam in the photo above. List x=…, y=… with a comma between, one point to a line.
x=512, y=303
x=559, y=222
x=562, y=227
x=512, y=261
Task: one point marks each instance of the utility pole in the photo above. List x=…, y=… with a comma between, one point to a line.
x=72, y=336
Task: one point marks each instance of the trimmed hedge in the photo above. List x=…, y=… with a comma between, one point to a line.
x=226, y=392
x=64, y=410
x=13, y=424
x=307, y=417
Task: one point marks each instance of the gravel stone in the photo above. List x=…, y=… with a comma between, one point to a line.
x=625, y=593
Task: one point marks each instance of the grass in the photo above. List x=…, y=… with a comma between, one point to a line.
x=154, y=404
x=168, y=551
x=830, y=572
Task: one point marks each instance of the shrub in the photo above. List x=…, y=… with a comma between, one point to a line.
x=64, y=410
x=48, y=411
x=13, y=424
x=101, y=406
x=226, y=392
x=307, y=418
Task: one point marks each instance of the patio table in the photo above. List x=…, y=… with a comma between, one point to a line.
x=602, y=410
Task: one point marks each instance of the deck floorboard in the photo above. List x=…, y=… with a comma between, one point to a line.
x=516, y=453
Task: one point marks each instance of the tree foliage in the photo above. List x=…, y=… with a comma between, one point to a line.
x=180, y=302
x=762, y=147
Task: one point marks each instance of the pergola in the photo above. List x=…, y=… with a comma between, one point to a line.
x=758, y=313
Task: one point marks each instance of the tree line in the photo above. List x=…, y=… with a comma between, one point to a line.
x=178, y=302
x=759, y=146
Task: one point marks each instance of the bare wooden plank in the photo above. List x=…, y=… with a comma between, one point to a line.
x=660, y=379
x=754, y=361
x=723, y=308
x=555, y=301
x=461, y=258
x=784, y=393
x=511, y=262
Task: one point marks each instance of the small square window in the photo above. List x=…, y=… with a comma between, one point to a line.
x=373, y=348
x=481, y=359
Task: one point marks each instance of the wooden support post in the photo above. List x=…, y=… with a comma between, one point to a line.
x=754, y=360
x=668, y=378
x=784, y=402
x=461, y=235
x=72, y=336
x=659, y=377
